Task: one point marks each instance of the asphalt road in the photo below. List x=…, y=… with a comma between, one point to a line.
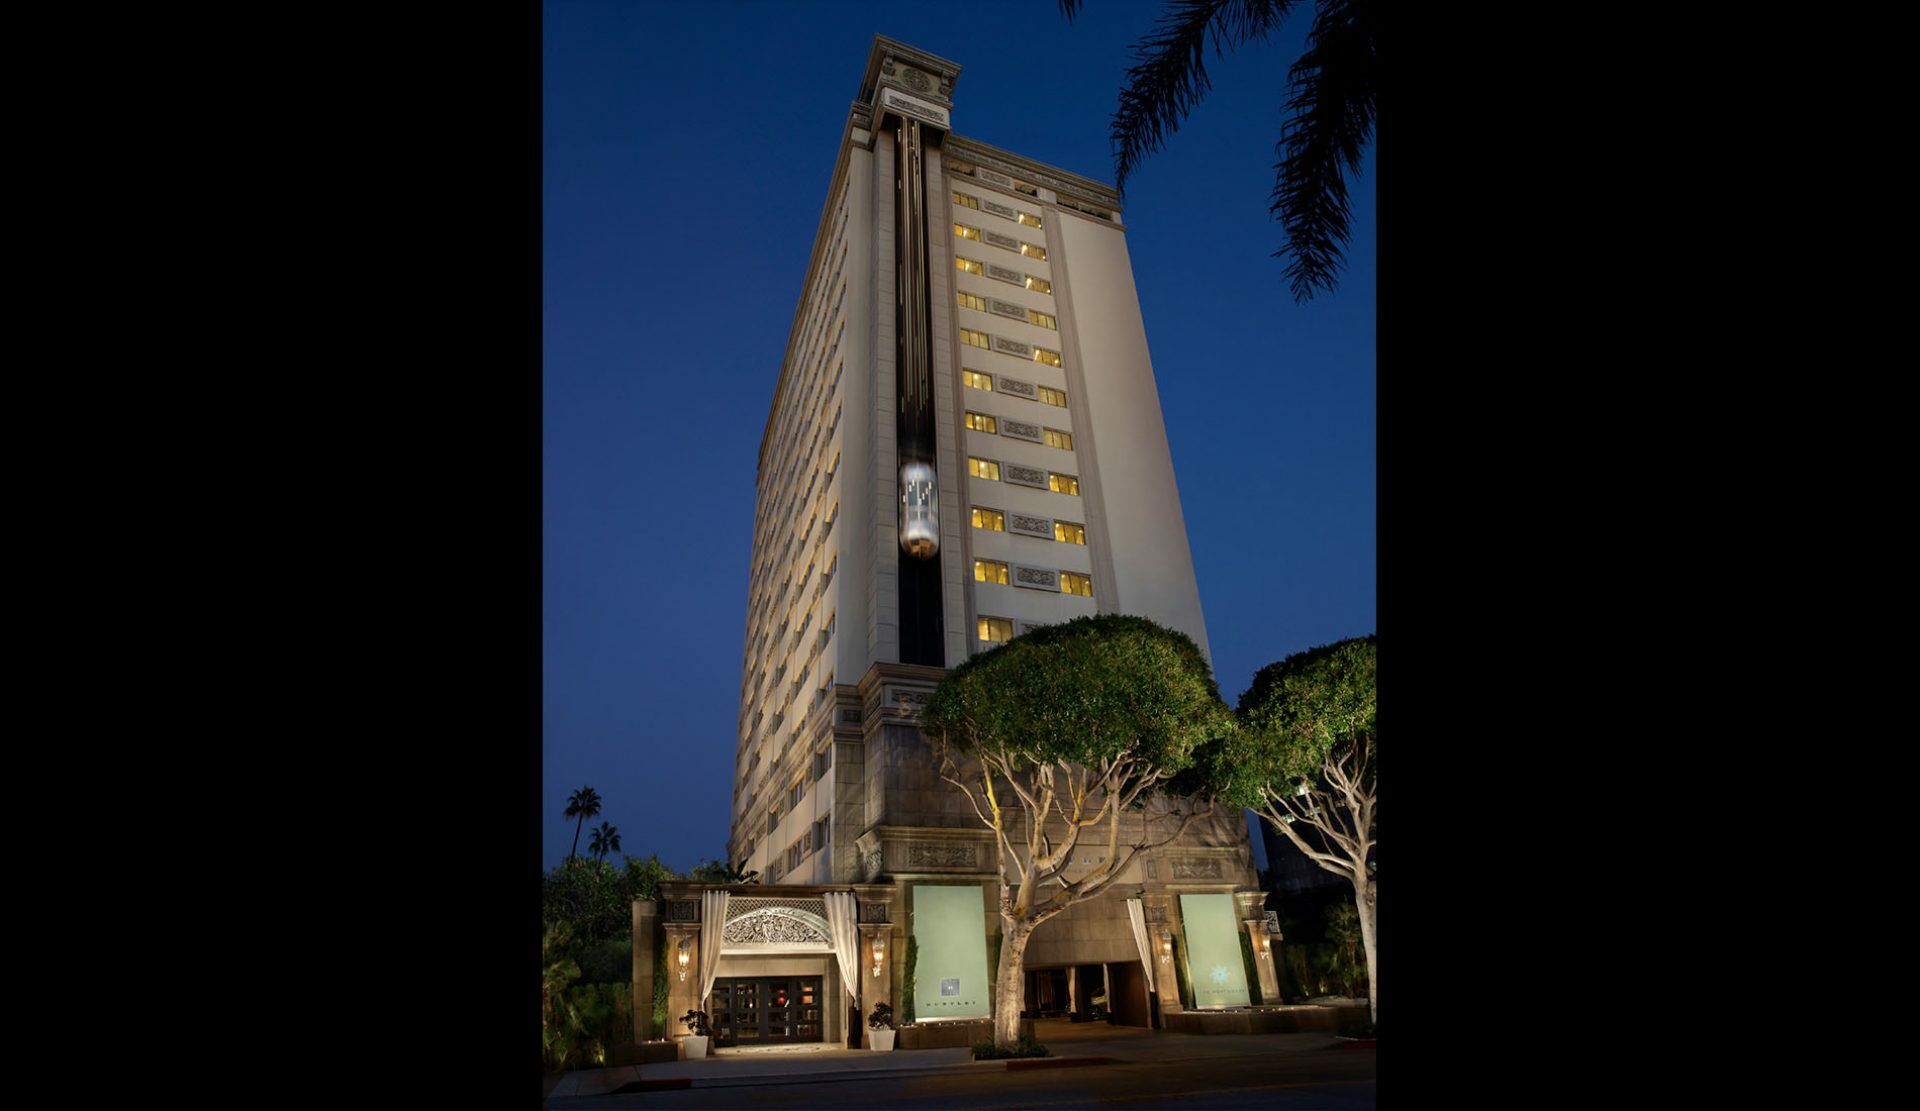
x=1254, y=1072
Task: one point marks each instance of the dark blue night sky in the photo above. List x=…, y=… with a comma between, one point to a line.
x=687, y=149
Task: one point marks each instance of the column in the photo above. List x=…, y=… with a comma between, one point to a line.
x=1263, y=960
x=1166, y=982
x=645, y=914
x=876, y=951
x=682, y=938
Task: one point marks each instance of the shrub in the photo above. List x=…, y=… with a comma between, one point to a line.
x=660, y=988
x=1025, y=1047
x=1253, y=969
x=607, y=962
x=906, y=990
x=1180, y=975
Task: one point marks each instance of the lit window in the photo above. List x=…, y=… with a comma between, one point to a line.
x=1063, y=484
x=971, y=301
x=970, y=202
x=1073, y=583
x=989, y=519
x=983, y=468
x=998, y=630
x=1069, y=533
x=977, y=380
x=1030, y=250
x=1052, y=396
x=981, y=422
x=1042, y=355
x=1039, y=285
x=965, y=232
x=1059, y=439
x=989, y=571
x=967, y=264
x=1029, y=219
x=973, y=338
x=1045, y=320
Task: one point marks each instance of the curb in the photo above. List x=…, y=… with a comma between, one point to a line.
x=772, y=1079
x=1356, y=1043
x=1019, y=1064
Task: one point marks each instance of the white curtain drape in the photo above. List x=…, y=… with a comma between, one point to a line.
x=1138, y=917
x=841, y=921
x=713, y=920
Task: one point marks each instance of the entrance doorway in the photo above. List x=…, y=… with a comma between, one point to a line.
x=764, y=1010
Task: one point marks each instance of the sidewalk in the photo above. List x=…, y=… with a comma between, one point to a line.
x=739, y=1068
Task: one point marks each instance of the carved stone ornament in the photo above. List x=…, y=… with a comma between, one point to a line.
x=683, y=910
x=870, y=865
x=777, y=926
x=1196, y=869
x=917, y=81
x=1157, y=915
x=922, y=855
x=873, y=912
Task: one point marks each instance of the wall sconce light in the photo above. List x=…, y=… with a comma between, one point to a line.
x=1166, y=948
x=1266, y=949
x=879, y=950
x=684, y=959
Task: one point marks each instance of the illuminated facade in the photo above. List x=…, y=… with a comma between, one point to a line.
x=965, y=441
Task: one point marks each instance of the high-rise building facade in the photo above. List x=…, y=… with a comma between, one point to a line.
x=965, y=441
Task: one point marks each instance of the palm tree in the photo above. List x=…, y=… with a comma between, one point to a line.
x=604, y=840
x=582, y=804
x=1330, y=106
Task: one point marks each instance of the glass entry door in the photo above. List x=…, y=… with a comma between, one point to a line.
x=762, y=1010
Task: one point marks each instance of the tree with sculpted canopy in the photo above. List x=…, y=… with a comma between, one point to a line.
x=1304, y=757
x=1080, y=737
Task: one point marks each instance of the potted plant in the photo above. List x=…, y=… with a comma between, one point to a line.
x=698, y=1034
x=880, y=1028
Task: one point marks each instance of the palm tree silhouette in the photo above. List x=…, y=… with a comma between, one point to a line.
x=604, y=840
x=1330, y=106
x=582, y=804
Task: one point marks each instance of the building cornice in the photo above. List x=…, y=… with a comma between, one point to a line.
x=1039, y=173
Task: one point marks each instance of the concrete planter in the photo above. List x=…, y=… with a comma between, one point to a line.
x=696, y=1046
x=881, y=1040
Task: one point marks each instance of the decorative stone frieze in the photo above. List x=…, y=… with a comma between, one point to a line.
x=1006, y=242
x=1006, y=274
x=1036, y=578
x=1025, y=525
x=1006, y=309
x=682, y=910
x=1021, y=430
x=1013, y=385
x=1205, y=869
x=924, y=855
x=1012, y=347
x=777, y=926
x=999, y=209
x=1022, y=475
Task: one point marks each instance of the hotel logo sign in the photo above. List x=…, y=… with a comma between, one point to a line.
x=914, y=108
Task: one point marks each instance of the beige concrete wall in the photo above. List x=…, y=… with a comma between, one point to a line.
x=1123, y=436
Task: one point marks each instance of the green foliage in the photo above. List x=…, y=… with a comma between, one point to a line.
x=1295, y=715
x=1140, y=691
x=1253, y=969
x=1343, y=933
x=594, y=899
x=607, y=962
x=660, y=988
x=906, y=990
x=1180, y=974
x=713, y=871
x=580, y=1023
x=1025, y=1047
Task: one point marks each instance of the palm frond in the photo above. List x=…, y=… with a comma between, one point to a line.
x=1069, y=9
x=1331, y=104
x=1169, y=74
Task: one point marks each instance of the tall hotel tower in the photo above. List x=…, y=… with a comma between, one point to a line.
x=965, y=441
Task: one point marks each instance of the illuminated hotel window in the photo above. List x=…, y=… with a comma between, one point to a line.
x=981, y=422
x=999, y=630
x=1059, y=439
x=1073, y=583
x=1063, y=484
x=1069, y=533
x=1052, y=396
x=1039, y=285
x=983, y=468
x=989, y=571
x=1042, y=355
x=989, y=519
x=977, y=380
x=970, y=202
x=1031, y=251
x=1030, y=220
x=1042, y=319
x=965, y=232
x=967, y=264
x=971, y=301
x=973, y=338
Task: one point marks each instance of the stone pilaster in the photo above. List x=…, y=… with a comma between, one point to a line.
x=682, y=938
x=1263, y=959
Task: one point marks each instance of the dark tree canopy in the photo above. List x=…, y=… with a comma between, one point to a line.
x=1296, y=714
